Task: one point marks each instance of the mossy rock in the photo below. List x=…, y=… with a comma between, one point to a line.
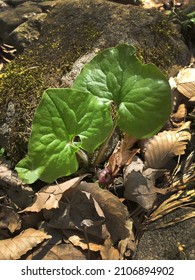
x=72, y=29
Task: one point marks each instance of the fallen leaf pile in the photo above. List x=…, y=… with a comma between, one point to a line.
x=99, y=217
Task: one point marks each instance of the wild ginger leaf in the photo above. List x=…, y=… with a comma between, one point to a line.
x=62, y=116
x=140, y=92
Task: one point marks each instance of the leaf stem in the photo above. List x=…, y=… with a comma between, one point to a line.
x=104, y=146
x=84, y=158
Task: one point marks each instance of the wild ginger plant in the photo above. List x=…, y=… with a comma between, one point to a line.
x=68, y=121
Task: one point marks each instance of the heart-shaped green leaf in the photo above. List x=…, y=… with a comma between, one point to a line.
x=65, y=121
x=140, y=92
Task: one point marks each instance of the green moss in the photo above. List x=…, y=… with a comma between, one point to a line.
x=158, y=45
x=21, y=84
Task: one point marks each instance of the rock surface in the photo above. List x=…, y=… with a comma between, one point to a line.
x=11, y=18
x=175, y=242
x=73, y=29
x=14, y=13
x=27, y=32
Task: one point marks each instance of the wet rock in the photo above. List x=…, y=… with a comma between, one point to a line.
x=175, y=242
x=73, y=29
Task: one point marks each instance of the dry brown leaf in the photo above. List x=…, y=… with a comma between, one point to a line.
x=49, y=196
x=122, y=154
x=14, y=248
x=31, y=219
x=187, y=89
x=108, y=252
x=139, y=184
x=59, y=217
x=57, y=252
x=116, y=214
x=173, y=202
x=82, y=213
x=180, y=115
x=166, y=145
x=83, y=210
x=184, y=82
x=22, y=196
x=8, y=177
x=9, y=219
x=176, y=220
x=92, y=212
x=126, y=247
x=80, y=242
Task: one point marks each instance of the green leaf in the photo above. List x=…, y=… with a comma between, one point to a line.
x=65, y=121
x=140, y=92
x=191, y=15
x=2, y=151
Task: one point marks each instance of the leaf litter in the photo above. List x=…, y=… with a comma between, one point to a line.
x=100, y=218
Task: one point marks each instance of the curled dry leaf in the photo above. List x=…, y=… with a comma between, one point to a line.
x=14, y=248
x=165, y=145
x=122, y=155
x=49, y=196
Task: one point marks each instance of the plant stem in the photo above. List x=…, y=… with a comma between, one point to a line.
x=84, y=158
x=104, y=146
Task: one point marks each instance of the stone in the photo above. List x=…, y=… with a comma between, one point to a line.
x=73, y=29
x=46, y=6
x=11, y=18
x=175, y=242
x=14, y=2
x=23, y=35
x=3, y=6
